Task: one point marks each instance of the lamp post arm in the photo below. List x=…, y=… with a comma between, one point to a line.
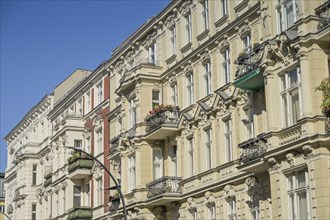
x=106, y=169
x=5, y=215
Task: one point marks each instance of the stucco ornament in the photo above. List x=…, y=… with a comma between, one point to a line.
x=209, y=197
x=185, y=7
x=290, y=158
x=252, y=184
x=191, y=202
x=229, y=191
x=308, y=150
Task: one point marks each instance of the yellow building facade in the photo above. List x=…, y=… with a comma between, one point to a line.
x=215, y=114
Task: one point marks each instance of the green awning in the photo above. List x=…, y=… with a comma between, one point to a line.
x=253, y=80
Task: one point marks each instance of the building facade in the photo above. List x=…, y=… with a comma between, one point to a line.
x=215, y=115
x=210, y=110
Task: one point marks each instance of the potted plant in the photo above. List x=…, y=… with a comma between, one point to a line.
x=324, y=87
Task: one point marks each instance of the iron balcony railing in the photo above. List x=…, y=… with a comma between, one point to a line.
x=163, y=115
x=253, y=149
x=166, y=184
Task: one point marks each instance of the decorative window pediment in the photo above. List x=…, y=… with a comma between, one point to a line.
x=170, y=20
x=149, y=39
x=185, y=7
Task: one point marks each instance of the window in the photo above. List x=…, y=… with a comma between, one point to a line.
x=77, y=143
x=205, y=14
x=57, y=204
x=155, y=99
x=224, y=7
x=158, y=162
x=99, y=141
x=152, y=53
x=207, y=77
x=249, y=123
x=34, y=174
x=286, y=14
x=88, y=189
x=226, y=66
x=232, y=209
x=79, y=107
x=174, y=94
x=132, y=112
x=88, y=102
x=99, y=92
x=63, y=198
x=190, y=88
x=191, y=156
x=193, y=214
x=228, y=141
x=212, y=211
x=208, y=144
x=34, y=211
x=298, y=195
x=175, y=160
x=76, y=196
x=173, y=40
x=131, y=171
x=291, y=97
x=246, y=39
x=188, y=28
x=99, y=191
x=254, y=207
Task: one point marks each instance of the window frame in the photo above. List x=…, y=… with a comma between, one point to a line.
x=232, y=211
x=133, y=113
x=190, y=88
x=191, y=150
x=76, y=196
x=205, y=15
x=157, y=163
x=282, y=14
x=172, y=31
x=34, y=211
x=188, y=28
x=174, y=94
x=226, y=65
x=152, y=53
x=208, y=145
x=208, y=77
x=131, y=172
x=228, y=139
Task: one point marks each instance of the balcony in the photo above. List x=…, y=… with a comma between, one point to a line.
x=79, y=167
x=48, y=181
x=114, y=203
x=249, y=75
x=165, y=189
x=80, y=213
x=162, y=122
x=323, y=12
x=253, y=149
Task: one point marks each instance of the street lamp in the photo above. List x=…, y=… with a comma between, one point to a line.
x=106, y=169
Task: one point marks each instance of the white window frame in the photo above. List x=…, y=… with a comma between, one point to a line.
x=249, y=122
x=212, y=211
x=34, y=211
x=99, y=141
x=232, y=215
x=255, y=207
x=77, y=143
x=205, y=15
x=290, y=115
x=207, y=77
x=228, y=140
x=190, y=88
x=224, y=7
x=77, y=196
x=246, y=41
x=64, y=200
x=99, y=94
x=283, y=22
x=226, y=65
x=191, y=156
x=172, y=40
x=188, y=28
x=294, y=190
x=34, y=174
x=208, y=146
x=193, y=214
x=174, y=94
x=157, y=163
x=133, y=116
x=99, y=191
x=131, y=172
x=175, y=160
x=88, y=101
x=79, y=107
x=155, y=95
x=152, y=53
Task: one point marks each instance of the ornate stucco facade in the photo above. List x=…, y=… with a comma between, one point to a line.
x=210, y=110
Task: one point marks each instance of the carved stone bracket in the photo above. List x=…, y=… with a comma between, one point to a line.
x=273, y=164
x=308, y=150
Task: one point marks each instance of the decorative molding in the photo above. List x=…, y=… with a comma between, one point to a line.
x=290, y=158
x=273, y=163
x=185, y=7
x=308, y=150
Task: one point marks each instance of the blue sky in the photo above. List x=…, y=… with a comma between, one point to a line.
x=43, y=41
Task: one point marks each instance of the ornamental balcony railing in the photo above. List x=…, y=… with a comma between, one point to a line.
x=248, y=62
x=162, y=115
x=76, y=161
x=80, y=213
x=164, y=185
x=323, y=11
x=253, y=149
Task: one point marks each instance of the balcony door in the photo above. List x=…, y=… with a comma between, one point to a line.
x=157, y=162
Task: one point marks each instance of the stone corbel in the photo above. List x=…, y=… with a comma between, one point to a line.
x=308, y=150
x=204, y=56
x=273, y=164
x=209, y=197
x=185, y=8
x=191, y=203
x=229, y=191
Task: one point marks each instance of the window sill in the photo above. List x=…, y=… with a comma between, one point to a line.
x=171, y=59
x=203, y=35
x=221, y=21
x=186, y=47
x=241, y=6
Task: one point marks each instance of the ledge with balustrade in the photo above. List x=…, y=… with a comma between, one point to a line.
x=80, y=213
x=164, y=185
x=162, y=115
x=253, y=149
x=78, y=161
